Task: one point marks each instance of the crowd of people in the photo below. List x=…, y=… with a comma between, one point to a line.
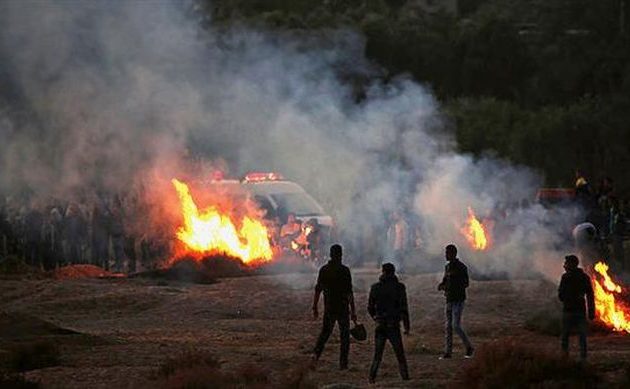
x=605, y=220
x=94, y=231
x=296, y=237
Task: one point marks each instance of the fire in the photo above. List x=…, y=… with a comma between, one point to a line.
x=609, y=310
x=209, y=231
x=475, y=232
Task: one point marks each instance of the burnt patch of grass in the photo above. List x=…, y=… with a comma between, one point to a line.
x=33, y=355
x=508, y=363
x=205, y=271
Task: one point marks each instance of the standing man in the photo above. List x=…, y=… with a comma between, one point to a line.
x=454, y=285
x=574, y=286
x=335, y=281
x=398, y=238
x=387, y=305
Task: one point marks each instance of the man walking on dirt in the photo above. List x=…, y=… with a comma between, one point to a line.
x=574, y=286
x=335, y=281
x=454, y=285
x=387, y=305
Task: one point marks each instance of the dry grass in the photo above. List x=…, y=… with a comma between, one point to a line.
x=260, y=329
x=201, y=370
x=545, y=322
x=509, y=363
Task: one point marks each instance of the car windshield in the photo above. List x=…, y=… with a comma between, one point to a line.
x=300, y=204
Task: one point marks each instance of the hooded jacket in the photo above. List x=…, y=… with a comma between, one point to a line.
x=574, y=286
x=387, y=303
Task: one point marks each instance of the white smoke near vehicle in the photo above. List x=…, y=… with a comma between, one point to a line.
x=105, y=95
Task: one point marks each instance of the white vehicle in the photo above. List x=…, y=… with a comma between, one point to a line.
x=280, y=197
x=277, y=196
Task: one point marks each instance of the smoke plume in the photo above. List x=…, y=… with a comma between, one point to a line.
x=105, y=96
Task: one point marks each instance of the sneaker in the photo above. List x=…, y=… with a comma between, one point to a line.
x=446, y=356
x=469, y=352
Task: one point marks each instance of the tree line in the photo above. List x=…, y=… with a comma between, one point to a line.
x=545, y=83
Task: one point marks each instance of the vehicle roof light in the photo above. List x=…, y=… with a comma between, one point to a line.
x=217, y=175
x=262, y=176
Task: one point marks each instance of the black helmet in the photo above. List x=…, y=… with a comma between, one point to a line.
x=358, y=332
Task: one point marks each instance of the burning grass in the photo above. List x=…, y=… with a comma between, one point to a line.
x=612, y=309
x=214, y=231
x=509, y=363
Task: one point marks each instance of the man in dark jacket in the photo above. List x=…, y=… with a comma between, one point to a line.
x=335, y=281
x=454, y=285
x=574, y=286
x=387, y=305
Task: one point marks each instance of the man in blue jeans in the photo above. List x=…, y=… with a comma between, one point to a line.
x=575, y=285
x=454, y=285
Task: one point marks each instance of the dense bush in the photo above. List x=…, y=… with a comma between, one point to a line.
x=510, y=363
x=35, y=355
x=200, y=370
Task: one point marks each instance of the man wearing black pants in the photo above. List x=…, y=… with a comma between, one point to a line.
x=454, y=285
x=387, y=305
x=335, y=281
x=574, y=286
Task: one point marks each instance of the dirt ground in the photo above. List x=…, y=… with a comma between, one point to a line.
x=131, y=326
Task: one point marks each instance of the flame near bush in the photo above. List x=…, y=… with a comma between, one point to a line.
x=475, y=232
x=612, y=312
x=212, y=232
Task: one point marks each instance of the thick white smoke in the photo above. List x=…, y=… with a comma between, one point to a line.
x=117, y=91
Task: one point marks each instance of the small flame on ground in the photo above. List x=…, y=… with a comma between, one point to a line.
x=209, y=231
x=609, y=310
x=475, y=232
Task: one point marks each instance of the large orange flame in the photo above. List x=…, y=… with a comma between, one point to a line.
x=612, y=312
x=475, y=232
x=209, y=232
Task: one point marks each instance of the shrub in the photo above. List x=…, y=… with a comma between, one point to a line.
x=199, y=370
x=508, y=363
x=545, y=322
x=189, y=359
x=31, y=356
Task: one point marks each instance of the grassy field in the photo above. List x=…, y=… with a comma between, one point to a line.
x=121, y=333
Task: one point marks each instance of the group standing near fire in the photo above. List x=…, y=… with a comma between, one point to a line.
x=387, y=306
